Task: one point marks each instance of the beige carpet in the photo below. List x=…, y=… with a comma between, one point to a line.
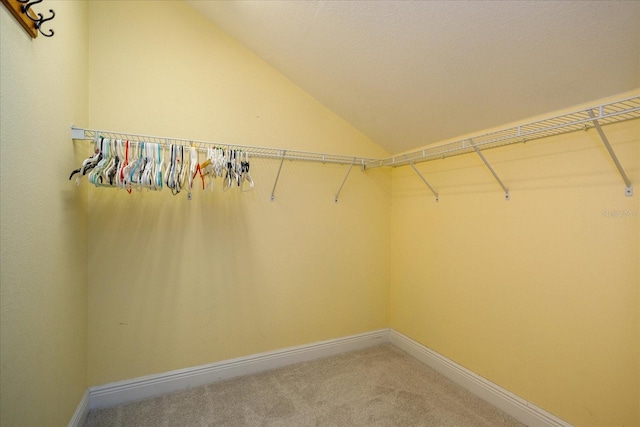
x=378, y=386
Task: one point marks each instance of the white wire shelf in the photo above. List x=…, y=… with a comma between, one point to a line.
x=613, y=112
x=261, y=152
x=618, y=111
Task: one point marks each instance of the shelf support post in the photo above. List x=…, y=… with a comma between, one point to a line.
x=507, y=196
x=335, y=199
x=415, y=169
x=628, y=190
x=273, y=191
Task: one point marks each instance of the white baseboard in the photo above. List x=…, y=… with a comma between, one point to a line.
x=82, y=411
x=144, y=387
x=520, y=409
x=153, y=385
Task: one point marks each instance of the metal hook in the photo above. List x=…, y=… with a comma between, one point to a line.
x=39, y=19
x=26, y=9
x=26, y=4
x=43, y=20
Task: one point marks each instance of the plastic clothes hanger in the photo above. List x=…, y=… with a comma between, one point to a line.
x=246, y=176
x=184, y=167
x=228, y=179
x=123, y=155
x=219, y=162
x=112, y=164
x=177, y=169
x=180, y=164
x=132, y=171
x=126, y=170
x=209, y=166
x=193, y=166
x=121, y=177
x=95, y=176
x=159, y=164
x=88, y=163
x=137, y=166
x=206, y=168
x=198, y=170
x=170, y=171
x=237, y=171
x=147, y=170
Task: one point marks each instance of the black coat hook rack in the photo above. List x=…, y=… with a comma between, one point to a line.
x=30, y=20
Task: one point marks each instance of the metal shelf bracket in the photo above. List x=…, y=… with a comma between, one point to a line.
x=628, y=190
x=424, y=180
x=335, y=199
x=273, y=191
x=507, y=196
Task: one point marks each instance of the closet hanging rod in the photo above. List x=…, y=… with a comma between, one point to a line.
x=263, y=152
x=613, y=112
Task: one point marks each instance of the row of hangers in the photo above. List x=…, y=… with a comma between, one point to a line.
x=143, y=165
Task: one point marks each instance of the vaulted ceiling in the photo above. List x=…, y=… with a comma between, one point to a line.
x=412, y=73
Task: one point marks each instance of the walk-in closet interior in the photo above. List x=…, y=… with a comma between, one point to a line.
x=258, y=183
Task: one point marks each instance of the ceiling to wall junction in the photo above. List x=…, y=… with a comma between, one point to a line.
x=412, y=73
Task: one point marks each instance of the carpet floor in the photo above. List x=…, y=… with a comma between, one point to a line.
x=377, y=386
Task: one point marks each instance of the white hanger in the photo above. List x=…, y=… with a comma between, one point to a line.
x=246, y=176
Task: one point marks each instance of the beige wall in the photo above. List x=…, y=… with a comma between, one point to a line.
x=176, y=283
x=43, y=262
x=538, y=294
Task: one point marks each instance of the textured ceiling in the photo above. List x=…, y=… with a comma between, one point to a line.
x=412, y=73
